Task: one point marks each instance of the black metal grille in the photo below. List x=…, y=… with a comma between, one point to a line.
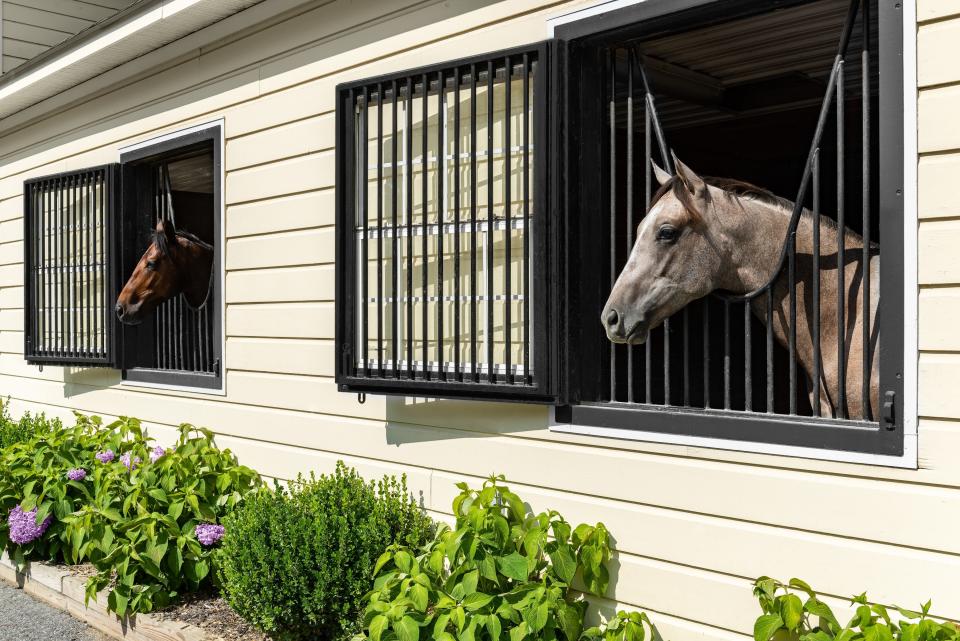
x=183, y=336
x=69, y=256
x=441, y=205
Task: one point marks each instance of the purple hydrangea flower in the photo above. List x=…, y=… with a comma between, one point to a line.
x=23, y=526
x=208, y=534
x=106, y=456
x=156, y=453
x=128, y=462
x=77, y=474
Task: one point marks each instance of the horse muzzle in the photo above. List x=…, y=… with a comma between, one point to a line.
x=622, y=328
x=129, y=314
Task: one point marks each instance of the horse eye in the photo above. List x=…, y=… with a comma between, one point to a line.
x=151, y=264
x=667, y=234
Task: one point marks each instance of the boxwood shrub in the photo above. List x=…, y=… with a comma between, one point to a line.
x=296, y=561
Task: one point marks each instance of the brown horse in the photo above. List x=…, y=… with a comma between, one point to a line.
x=175, y=262
x=707, y=234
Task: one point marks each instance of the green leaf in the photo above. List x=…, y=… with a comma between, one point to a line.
x=494, y=627
x=792, y=611
x=420, y=596
x=536, y=618
x=406, y=629
x=377, y=626
x=476, y=601
x=514, y=566
x=403, y=560
x=765, y=626
x=517, y=633
x=564, y=563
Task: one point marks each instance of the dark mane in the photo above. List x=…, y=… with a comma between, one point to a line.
x=160, y=240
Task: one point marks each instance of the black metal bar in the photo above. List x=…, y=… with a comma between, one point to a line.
x=71, y=266
x=97, y=226
x=686, y=356
x=62, y=265
x=726, y=355
x=706, y=353
x=816, y=286
x=364, y=207
x=666, y=361
x=658, y=130
x=612, y=88
x=456, y=224
x=394, y=257
x=409, y=204
x=631, y=64
x=491, y=372
x=424, y=213
x=841, y=254
x=747, y=359
x=508, y=232
x=441, y=202
x=83, y=216
x=648, y=187
x=526, y=220
x=380, y=369
x=473, y=224
x=769, y=351
x=792, y=340
x=865, y=260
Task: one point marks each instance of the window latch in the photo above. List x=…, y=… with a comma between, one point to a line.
x=889, y=410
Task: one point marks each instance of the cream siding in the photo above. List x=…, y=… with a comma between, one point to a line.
x=692, y=526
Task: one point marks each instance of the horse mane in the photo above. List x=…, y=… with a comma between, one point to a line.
x=160, y=240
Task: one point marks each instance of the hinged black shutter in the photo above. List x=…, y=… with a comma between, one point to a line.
x=70, y=251
x=446, y=241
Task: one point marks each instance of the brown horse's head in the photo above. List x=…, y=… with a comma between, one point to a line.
x=174, y=263
x=675, y=259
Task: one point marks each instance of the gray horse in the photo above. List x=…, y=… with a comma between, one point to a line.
x=705, y=234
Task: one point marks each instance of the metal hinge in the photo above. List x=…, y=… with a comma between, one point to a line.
x=888, y=412
x=216, y=366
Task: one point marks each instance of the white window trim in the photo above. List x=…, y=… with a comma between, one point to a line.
x=222, y=390
x=910, y=457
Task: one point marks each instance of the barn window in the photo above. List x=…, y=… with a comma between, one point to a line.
x=802, y=98
x=123, y=264
x=442, y=234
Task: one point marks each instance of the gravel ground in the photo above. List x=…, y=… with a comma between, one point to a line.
x=23, y=617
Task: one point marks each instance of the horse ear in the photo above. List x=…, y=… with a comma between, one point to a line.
x=688, y=177
x=166, y=228
x=658, y=173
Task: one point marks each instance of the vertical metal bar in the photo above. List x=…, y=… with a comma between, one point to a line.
x=648, y=186
x=94, y=222
x=747, y=359
x=726, y=354
x=706, y=353
x=441, y=203
x=631, y=63
x=841, y=253
x=527, y=299
x=90, y=258
x=508, y=232
x=770, y=350
x=61, y=265
x=456, y=224
x=473, y=223
x=81, y=260
x=491, y=374
x=612, y=62
x=68, y=261
x=865, y=260
x=816, y=285
x=394, y=258
x=792, y=341
x=380, y=302
x=74, y=271
x=425, y=227
x=364, y=211
x=666, y=362
x=409, y=204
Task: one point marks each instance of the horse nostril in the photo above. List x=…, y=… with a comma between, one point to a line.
x=119, y=310
x=613, y=318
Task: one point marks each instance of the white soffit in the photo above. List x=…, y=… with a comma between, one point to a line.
x=130, y=34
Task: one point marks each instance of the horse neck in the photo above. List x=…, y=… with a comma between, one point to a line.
x=196, y=267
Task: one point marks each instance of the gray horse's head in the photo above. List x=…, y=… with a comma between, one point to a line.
x=674, y=259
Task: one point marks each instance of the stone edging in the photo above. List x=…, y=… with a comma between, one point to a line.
x=65, y=591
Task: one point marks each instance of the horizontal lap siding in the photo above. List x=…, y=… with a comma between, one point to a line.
x=692, y=526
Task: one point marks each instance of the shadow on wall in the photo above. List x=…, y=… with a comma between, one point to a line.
x=329, y=29
x=419, y=420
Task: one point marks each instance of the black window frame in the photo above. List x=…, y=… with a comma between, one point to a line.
x=544, y=246
x=660, y=16
x=120, y=201
x=130, y=252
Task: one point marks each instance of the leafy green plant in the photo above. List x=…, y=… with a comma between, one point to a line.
x=626, y=626
x=22, y=430
x=130, y=514
x=499, y=574
x=787, y=615
x=296, y=562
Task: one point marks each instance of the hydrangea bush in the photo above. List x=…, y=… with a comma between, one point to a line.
x=84, y=494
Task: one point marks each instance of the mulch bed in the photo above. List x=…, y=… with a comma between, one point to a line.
x=207, y=611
